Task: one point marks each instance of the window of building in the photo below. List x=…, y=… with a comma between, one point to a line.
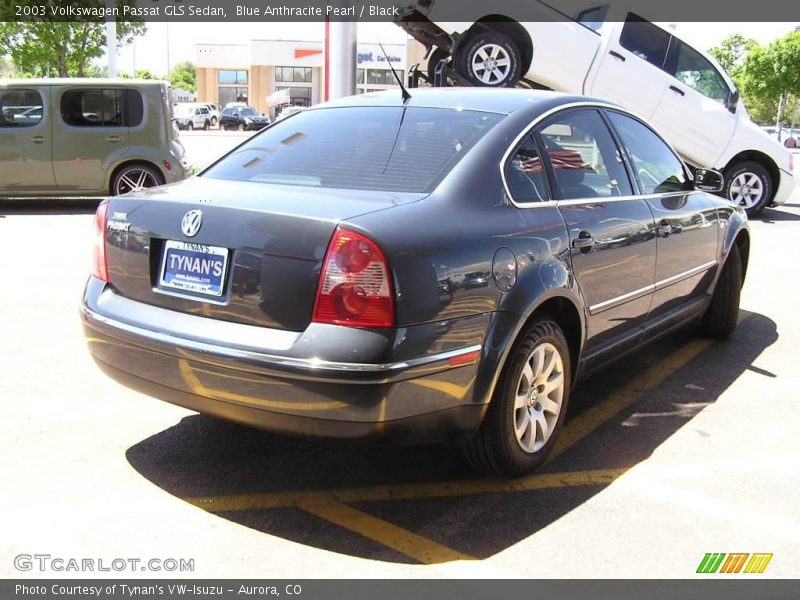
x=232, y=94
x=20, y=108
x=102, y=108
x=360, y=76
x=383, y=76
x=293, y=74
x=232, y=77
x=298, y=96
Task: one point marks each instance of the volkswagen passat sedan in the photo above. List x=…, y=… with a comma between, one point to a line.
x=296, y=284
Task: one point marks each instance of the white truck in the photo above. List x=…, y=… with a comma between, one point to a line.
x=617, y=55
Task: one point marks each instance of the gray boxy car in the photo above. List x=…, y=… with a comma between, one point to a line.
x=86, y=137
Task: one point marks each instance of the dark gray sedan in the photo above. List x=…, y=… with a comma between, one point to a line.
x=443, y=269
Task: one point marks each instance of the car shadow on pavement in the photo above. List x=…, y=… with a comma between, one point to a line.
x=424, y=504
x=773, y=215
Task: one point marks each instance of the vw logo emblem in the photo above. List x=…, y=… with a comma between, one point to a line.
x=191, y=222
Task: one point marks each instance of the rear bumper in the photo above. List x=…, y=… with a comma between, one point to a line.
x=286, y=384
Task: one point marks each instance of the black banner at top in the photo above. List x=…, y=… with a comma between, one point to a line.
x=393, y=10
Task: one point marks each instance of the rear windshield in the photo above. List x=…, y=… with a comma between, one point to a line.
x=366, y=148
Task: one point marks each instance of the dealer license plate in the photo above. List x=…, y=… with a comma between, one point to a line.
x=195, y=268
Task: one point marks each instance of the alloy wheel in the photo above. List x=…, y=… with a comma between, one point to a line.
x=135, y=179
x=539, y=397
x=746, y=190
x=491, y=64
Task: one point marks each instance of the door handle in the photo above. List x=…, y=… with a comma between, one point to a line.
x=584, y=241
x=677, y=90
x=38, y=139
x=617, y=55
x=113, y=139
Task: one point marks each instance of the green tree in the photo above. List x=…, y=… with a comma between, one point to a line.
x=731, y=52
x=184, y=76
x=63, y=49
x=139, y=74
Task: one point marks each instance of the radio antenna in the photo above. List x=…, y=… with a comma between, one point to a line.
x=404, y=91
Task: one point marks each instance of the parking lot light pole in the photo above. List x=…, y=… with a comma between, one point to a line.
x=111, y=40
x=341, y=45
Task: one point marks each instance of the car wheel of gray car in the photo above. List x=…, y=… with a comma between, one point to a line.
x=490, y=59
x=529, y=404
x=134, y=178
x=723, y=312
x=240, y=127
x=190, y=126
x=748, y=185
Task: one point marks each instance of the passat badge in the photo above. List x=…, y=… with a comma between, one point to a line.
x=191, y=222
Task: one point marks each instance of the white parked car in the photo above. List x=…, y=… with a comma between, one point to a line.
x=213, y=111
x=624, y=58
x=192, y=116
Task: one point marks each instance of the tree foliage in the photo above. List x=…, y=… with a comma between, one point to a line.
x=184, y=77
x=64, y=49
x=768, y=77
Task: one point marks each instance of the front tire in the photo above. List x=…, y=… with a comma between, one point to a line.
x=190, y=126
x=240, y=127
x=213, y=121
x=434, y=59
x=528, y=407
x=722, y=314
x=749, y=185
x=490, y=59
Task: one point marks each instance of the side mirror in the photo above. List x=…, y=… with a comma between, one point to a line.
x=708, y=180
x=733, y=101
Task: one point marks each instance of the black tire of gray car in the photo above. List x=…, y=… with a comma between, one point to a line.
x=126, y=179
x=738, y=173
x=722, y=314
x=434, y=59
x=190, y=126
x=468, y=57
x=496, y=448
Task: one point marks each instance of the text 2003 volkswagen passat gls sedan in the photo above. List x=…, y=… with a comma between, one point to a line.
x=440, y=269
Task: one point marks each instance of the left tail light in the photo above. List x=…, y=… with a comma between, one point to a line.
x=354, y=286
x=99, y=266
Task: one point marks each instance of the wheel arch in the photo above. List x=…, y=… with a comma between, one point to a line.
x=134, y=161
x=512, y=29
x=764, y=160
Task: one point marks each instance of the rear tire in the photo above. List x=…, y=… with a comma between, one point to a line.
x=190, y=126
x=528, y=407
x=490, y=59
x=749, y=185
x=213, y=121
x=722, y=314
x=206, y=125
x=135, y=177
x=434, y=59
x=240, y=127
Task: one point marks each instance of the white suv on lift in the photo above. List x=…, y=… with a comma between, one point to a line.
x=623, y=58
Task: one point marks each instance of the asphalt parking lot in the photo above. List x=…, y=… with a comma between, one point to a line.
x=687, y=448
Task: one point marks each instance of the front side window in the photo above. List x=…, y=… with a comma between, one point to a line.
x=101, y=108
x=647, y=41
x=390, y=149
x=696, y=71
x=20, y=108
x=657, y=168
x=585, y=160
x=524, y=174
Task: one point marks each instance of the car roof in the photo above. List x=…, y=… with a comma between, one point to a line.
x=496, y=100
x=80, y=81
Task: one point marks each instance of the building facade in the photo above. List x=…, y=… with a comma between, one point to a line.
x=269, y=74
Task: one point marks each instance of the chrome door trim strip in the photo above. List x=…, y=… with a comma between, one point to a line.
x=685, y=275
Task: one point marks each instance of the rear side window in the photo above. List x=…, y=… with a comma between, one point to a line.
x=657, y=168
x=102, y=108
x=20, y=108
x=366, y=148
x=645, y=40
x=525, y=174
x=584, y=157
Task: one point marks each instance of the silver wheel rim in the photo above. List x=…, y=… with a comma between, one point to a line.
x=539, y=395
x=133, y=180
x=746, y=190
x=491, y=64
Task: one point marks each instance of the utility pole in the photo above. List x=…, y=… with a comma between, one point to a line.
x=111, y=41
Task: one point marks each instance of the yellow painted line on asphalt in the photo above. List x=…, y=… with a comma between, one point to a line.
x=406, y=491
x=406, y=542
x=585, y=423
